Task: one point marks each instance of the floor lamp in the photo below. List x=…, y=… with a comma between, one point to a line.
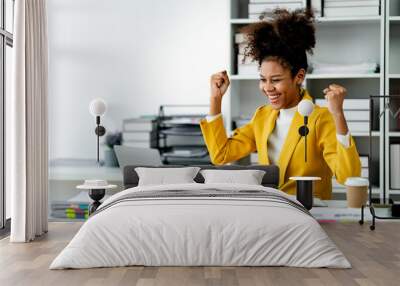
x=305, y=184
x=97, y=108
x=97, y=188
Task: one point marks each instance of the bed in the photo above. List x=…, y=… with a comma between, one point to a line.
x=198, y=224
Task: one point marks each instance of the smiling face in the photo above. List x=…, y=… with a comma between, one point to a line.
x=278, y=84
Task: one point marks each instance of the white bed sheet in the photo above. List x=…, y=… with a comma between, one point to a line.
x=200, y=231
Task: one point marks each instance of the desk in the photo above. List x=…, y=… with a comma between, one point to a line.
x=80, y=173
x=338, y=211
x=63, y=180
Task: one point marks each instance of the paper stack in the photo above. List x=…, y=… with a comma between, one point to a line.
x=357, y=68
x=351, y=8
x=74, y=208
x=364, y=166
x=259, y=8
x=138, y=132
x=356, y=112
x=67, y=210
x=245, y=65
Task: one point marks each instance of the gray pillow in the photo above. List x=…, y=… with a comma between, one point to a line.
x=163, y=176
x=248, y=177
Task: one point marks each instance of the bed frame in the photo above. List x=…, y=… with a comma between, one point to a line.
x=270, y=179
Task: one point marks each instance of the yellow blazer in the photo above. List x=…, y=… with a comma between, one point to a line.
x=325, y=156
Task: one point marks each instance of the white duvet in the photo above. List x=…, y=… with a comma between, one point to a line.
x=200, y=231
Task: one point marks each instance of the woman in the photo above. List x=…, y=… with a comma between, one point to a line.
x=280, y=47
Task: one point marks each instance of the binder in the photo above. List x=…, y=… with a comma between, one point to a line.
x=394, y=166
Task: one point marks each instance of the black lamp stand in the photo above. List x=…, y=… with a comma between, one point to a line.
x=304, y=188
x=304, y=193
x=100, y=131
x=96, y=195
x=303, y=131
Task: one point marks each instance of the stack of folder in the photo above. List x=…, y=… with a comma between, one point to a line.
x=259, y=8
x=68, y=210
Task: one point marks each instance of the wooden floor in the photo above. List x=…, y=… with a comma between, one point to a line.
x=374, y=255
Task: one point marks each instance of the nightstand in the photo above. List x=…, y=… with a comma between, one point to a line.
x=97, y=190
x=305, y=190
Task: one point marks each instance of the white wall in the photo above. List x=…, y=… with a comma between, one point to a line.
x=134, y=54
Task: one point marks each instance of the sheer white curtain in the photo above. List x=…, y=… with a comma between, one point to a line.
x=28, y=144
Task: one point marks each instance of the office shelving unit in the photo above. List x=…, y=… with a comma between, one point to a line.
x=179, y=137
x=339, y=40
x=392, y=82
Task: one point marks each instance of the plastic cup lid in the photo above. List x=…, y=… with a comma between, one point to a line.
x=96, y=183
x=356, y=182
x=305, y=178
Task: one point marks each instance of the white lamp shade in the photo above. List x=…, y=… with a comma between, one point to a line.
x=97, y=107
x=305, y=107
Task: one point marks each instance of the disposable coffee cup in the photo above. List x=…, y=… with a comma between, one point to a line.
x=357, y=191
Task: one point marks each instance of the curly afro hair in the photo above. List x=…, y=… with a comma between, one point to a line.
x=285, y=37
